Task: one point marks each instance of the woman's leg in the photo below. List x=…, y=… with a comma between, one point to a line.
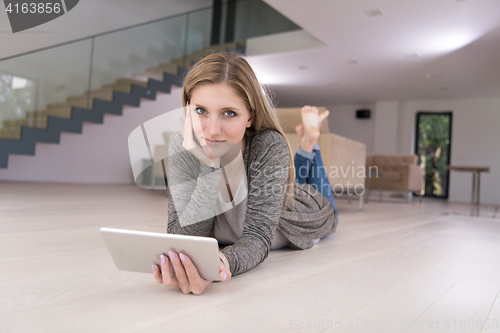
x=318, y=177
x=309, y=167
x=302, y=162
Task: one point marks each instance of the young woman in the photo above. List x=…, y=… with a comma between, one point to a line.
x=232, y=175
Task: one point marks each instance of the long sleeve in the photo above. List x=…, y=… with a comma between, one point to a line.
x=194, y=189
x=267, y=160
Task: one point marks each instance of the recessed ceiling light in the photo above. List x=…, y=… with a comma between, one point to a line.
x=352, y=62
x=412, y=55
x=302, y=67
x=374, y=12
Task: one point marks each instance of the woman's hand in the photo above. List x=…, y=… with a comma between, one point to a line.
x=186, y=276
x=192, y=127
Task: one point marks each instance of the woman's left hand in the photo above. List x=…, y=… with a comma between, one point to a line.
x=186, y=276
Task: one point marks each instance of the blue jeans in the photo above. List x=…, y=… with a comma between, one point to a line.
x=309, y=168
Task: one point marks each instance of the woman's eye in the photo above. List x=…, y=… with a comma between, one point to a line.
x=230, y=113
x=200, y=111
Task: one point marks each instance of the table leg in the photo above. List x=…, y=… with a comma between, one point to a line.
x=380, y=190
x=473, y=194
x=478, y=189
x=367, y=190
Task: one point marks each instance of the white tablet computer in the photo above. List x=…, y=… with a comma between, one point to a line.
x=136, y=251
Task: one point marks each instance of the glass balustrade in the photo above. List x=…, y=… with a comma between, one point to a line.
x=51, y=81
x=128, y=53
x=36, y=85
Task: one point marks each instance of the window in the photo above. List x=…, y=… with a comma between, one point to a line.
x=17, y=96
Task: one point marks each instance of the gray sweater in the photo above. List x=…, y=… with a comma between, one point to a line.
x=194, y=187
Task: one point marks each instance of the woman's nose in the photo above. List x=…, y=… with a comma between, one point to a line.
x=214, y=126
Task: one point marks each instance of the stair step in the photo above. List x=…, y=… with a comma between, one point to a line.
x=189, y=60
x=105, y=95
x=13, y=133
x=62, y=110
x=33, y=120
x=132, y=81
x=125, y=87
x=157, y=72
x=36, y=121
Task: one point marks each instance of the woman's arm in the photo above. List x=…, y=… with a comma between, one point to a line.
x=194, y=188
x=268, y=178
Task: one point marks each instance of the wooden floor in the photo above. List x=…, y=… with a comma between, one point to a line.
x=418, y=267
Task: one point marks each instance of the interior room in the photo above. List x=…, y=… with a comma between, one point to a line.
x=410, y=85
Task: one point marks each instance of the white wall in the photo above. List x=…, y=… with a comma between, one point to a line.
x=98, y=155
x=474, y=142
x=342, y=121
x=379, y=133
x=385, y=127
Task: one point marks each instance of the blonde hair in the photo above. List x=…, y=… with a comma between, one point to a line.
x=234, y=70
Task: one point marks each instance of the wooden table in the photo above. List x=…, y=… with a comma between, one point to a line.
x=476, y=179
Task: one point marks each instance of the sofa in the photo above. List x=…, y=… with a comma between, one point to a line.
x=343, y=158
x=394, y=172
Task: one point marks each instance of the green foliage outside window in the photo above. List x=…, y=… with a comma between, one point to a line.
x=433, y=146
x=17, y=95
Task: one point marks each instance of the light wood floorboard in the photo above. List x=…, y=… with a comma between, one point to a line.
x=416, y=267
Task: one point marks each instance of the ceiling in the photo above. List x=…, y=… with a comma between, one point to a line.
x=417, y=49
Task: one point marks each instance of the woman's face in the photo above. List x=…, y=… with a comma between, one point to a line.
x=222, y=114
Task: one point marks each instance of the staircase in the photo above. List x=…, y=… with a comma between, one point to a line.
x=19, y=136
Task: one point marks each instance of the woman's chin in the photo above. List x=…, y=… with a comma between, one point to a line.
x=217, y=150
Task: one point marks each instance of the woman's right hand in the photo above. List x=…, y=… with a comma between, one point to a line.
x=186, y=277
x=192, y=128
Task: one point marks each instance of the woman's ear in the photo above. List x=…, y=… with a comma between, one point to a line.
x=250, y=120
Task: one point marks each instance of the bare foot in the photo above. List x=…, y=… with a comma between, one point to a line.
x=322, y=117
x=311, y=121
x=311, y=117
x=300, y=129
x=306, y=143
x=309, y=139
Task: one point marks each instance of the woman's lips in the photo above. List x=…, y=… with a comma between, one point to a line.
x=214, y=142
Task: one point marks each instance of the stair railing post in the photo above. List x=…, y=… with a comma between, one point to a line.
x=184, y=53
x=89, y=85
